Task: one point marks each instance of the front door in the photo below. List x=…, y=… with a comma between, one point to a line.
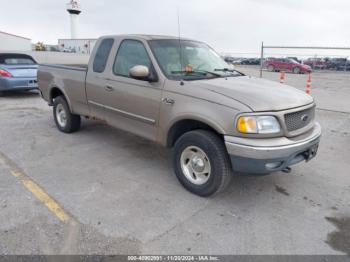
x=132, y=104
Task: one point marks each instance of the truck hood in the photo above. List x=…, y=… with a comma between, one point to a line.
x=256, y=93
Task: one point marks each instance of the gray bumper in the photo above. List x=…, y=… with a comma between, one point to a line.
x=262, y=156
x=16, y=83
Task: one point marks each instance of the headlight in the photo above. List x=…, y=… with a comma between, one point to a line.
x=258, y=125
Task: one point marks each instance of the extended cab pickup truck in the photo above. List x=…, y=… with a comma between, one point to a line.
x=181, y=94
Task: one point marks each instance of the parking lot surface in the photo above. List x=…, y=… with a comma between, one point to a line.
x=120, y=196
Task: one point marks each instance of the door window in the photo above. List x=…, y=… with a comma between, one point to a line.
x=130, y=53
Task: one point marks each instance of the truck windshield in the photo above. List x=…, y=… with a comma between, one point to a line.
x=195, y=60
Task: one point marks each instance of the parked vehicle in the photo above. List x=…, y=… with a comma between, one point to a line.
x=68, y=50
x=251, y=61
x=295, y=59
x=17, y=72
x=338, y=64
x=316, y=63
x=238, y=61
x=234, y=60
x=229, y=59
x=215, y=119
x=286, y=64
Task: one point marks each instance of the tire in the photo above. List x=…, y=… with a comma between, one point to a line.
x=271, y=68
x=65, y=121
x=191, y=146
x=296, y=70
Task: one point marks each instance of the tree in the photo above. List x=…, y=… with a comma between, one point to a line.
x=40, y=46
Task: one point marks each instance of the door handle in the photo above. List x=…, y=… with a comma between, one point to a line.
x=109, y=88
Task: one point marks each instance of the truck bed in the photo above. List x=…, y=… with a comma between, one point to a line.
x=68, y=78
x=67, y=66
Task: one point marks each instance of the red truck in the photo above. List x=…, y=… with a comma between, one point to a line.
x=286, y=64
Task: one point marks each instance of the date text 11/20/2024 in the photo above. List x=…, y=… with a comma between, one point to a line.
x=174, y=258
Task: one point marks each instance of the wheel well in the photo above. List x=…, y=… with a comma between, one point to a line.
x=55, y=92
x=184, y=126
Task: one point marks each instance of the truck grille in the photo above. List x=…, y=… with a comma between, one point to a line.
x=300, y=119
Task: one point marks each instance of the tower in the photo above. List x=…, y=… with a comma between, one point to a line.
x=74, y=10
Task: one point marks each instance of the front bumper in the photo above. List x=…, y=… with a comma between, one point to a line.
x=263, y=156
x=18, y=83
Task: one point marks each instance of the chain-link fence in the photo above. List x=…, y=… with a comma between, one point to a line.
x=294, y=59
x=307, y=59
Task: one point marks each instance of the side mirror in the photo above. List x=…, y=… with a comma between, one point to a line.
x=140, y=72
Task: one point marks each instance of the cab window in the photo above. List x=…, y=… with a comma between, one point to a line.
x=102, y=54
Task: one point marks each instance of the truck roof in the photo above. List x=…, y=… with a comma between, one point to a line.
x=147, y=37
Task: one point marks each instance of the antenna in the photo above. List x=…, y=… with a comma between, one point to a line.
x=179, y=32
x=178, y=22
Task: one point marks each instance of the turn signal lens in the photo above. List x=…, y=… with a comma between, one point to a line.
x=247, y=124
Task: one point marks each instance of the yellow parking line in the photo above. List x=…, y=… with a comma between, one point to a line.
x=42, y=196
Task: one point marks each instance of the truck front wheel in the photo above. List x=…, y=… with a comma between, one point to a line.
x=65, y=121
x=201, y=163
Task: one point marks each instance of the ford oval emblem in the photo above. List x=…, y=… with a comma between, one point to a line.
x=304, y=118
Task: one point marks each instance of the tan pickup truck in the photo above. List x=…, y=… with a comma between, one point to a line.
x=183, y=95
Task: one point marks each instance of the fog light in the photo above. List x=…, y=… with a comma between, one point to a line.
x=273, y=165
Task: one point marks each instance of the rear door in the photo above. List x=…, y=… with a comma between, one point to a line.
x=285, y=64
x=97, y=78
x=278, y=64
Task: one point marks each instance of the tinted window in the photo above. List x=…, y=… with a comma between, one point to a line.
x=16, y=59
x=130, y=53
x=102, y=54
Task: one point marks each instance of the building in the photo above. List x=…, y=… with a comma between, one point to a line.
x=11, y=42
x=75, y=44
x=74, y=10
x=80, y=46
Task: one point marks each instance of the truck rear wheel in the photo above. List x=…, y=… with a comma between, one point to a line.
x=65, y=121
x=201, y=163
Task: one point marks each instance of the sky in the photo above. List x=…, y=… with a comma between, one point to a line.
x=233, y=26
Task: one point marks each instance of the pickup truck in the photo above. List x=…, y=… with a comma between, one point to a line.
x=181, y=94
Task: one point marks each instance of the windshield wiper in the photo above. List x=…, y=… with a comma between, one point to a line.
x=200, y=72
x=228, y=70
